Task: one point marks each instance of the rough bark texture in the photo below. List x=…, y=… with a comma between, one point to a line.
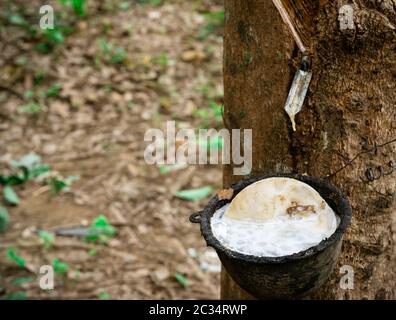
x=346, y=130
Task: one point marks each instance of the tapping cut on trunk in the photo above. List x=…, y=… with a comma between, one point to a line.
x=299, y=16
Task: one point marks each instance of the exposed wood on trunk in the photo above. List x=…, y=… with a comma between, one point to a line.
x=299, y=16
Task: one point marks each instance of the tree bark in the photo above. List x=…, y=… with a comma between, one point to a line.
x=346, y=130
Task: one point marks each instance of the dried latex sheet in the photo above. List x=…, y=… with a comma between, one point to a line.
x=274, y=217
x=268, y=198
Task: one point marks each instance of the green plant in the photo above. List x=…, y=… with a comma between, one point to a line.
x=39, y=76
x=103, y=296
x=20, y=295
x=118, y=55
x=54, y=90
x=78, y=6
x=217, y=109
x=29, y=94
x=181, y=279
x=194, y=194
x=166, y=169
x=204, y=115
x=58, y=183
x=54, y=36
x=204, y=89
x=214, y=20
x=21, y=60
x=21, y=280
x=111, y=53
x=32, y=108
x=51, y=38
x=47, y=238
x=10, y=196
x=214, y=111
x=124, y=5
x=162, y=59
x=31, y=166
x=59, y=267
x=18, y=20
x=26, y=168
x=14, y=257
x=100, y=230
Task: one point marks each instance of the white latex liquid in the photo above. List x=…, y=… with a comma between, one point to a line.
x=279, y=236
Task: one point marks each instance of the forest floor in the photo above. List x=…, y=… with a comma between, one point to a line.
x=84, y=108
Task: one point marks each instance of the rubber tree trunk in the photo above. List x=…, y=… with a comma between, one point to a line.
x=345, y=132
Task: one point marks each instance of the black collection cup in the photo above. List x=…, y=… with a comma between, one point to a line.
x=286, y=277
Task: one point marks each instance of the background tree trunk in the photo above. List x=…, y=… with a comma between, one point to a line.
x=345, y=131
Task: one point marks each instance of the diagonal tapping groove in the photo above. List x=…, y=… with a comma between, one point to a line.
x=299, y=16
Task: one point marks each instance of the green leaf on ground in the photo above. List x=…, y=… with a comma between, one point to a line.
x=47, y=238
x=217, y=108
x=181, y=279
x=15, y=296
x=13, y=256
x=13, y=179
x=60, y=267
x=54, y=90
x=118, y=55
x=10, y=196
x=17, y=20
x=100, y=229
x=28, y=161
x=162, y=59
x=170, y=168
x=59, y=183
x=112, y=53
x=31, y=166
x=214, y=20
x=38, y=171
x=29, y=94
x=21, y=280
x=79, y=7
x=104, y=296
x=194, y=194
x=26, y=168
x=124, y=5
x=32, y=108
x=21, y=60
x=54, y=36
x=43, y=47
